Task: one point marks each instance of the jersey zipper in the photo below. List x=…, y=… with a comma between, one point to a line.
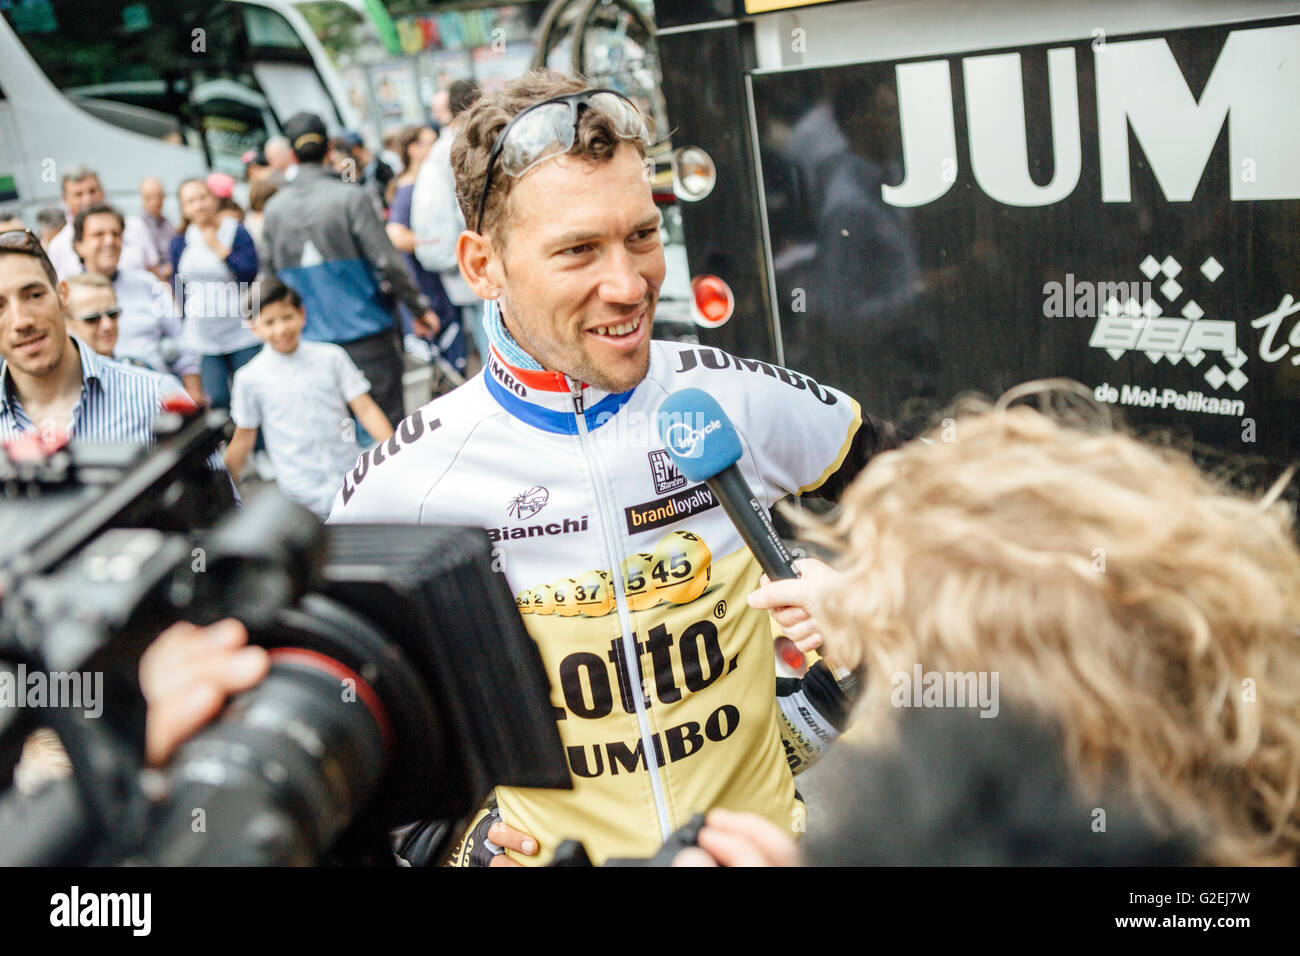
x=608, y=518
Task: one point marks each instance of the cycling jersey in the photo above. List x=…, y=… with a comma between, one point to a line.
x=631, y=580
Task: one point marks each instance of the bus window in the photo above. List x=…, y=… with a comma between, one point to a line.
x=266, y=28
x=183, y=71
x=349, y=36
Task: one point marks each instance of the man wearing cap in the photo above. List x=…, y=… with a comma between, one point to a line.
x=362, y=166
x=324, y=239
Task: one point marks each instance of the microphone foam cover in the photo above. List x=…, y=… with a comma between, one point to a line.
x=697, y=433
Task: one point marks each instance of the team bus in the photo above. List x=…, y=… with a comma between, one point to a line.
x=168, y=88
x=912, y=199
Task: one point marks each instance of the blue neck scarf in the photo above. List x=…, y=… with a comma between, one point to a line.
x=503, y=341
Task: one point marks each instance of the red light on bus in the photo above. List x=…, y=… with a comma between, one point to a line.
x=712, y=301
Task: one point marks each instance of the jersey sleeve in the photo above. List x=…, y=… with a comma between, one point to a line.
x=390, y=481
x=807, y=438
x=815, y=710
x=799, y=431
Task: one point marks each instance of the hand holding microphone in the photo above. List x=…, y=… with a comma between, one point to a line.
x=793, y=602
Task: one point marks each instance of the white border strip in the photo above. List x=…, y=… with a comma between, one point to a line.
x=880, y=30
x=692, y=27
x=765, y=231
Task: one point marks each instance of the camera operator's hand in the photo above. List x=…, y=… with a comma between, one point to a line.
x=186, y=675
x=740, y=839
x=793, y=602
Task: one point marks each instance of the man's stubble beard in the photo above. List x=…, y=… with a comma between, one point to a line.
x=56, y=359
x=585, y=371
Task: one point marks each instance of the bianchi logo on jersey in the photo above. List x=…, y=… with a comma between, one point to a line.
x=528, y=503
x=665, y=474
x=565, y=526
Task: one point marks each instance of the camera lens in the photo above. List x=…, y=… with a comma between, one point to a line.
x=282, y=772
x=291, y=762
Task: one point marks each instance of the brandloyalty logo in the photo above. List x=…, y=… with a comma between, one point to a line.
x=528, y=503
x=665, y=474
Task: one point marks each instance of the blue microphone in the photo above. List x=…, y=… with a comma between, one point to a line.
x=705, y=446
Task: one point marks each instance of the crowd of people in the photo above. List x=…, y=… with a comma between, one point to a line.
x=181, y=297
x=1138, y=621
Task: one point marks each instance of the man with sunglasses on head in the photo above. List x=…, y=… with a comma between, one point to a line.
x=632, y=581
x=52, y=383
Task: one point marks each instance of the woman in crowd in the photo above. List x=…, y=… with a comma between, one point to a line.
x=212, y=258
x=259, y=193
x=1143, y=624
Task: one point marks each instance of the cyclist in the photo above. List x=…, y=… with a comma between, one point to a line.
x=632, y=581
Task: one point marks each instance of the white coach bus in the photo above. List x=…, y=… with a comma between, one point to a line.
x=165, y=88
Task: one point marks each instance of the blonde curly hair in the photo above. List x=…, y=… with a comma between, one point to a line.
x=1117, y=591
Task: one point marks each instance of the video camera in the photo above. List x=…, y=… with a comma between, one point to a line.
x=402, y=686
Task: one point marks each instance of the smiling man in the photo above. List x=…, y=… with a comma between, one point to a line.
x=149, y=328
x=93, y=311
x=81, y=190
x=631, y=580
x=52, y=384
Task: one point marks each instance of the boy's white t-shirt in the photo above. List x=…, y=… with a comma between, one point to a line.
x=300, y=401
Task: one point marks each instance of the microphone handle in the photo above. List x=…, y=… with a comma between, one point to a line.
x=750, y=518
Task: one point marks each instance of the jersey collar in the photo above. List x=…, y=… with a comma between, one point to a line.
x=544, y=399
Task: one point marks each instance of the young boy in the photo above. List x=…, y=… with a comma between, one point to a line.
x=299, y=394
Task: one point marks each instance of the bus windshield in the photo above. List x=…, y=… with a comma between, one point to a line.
x=348, y=34
x=184, y=71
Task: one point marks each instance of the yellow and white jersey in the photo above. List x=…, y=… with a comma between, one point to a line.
x=631, y=580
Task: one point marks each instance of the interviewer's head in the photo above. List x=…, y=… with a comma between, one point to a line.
x=1119, y=593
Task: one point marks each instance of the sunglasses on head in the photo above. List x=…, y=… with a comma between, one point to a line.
x=94, y=317
x=550, y=128
x=29, y=244
x=21, y=240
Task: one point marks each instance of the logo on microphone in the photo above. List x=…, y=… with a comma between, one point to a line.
x=685, y=440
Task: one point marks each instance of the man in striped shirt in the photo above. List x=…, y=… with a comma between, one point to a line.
x=48, y=382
